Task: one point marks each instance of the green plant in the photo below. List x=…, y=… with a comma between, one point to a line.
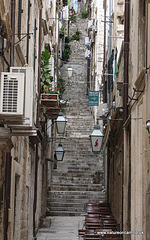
x=76, y=36
x=54, y=91
x=61, y=87
x=66, y=53
x=67, y=39
x=67, y=46
x=73, y=18
x=46, y=77
x=62, y=32
x=84, y=13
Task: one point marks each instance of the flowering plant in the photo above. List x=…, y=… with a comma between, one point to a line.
x=50, y=90
x=54, y=91
x=62, y=32
x=76, y=36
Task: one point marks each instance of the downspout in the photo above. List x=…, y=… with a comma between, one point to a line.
x=103, y=79
x=37, y=124
x=147, y=68
x=7, y=192
x=125, y=88
x=126, y=59
x=35, y=191
x=13, y=7
x=109, y=58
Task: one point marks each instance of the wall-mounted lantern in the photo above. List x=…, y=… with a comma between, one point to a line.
x=61, y=123
x=96, y=139
x=59, y=152
x=70, y=70
x=148, y=125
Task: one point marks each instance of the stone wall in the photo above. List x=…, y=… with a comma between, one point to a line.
x=27, y=164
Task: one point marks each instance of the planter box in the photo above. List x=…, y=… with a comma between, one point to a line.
x=50, y=105
x=49, y=100
x=47, y=96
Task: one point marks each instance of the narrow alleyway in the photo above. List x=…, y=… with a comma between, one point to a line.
x=79, y=178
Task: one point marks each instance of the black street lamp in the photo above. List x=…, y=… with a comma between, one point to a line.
x=61, y=123
x=59, y=152
x=96, y=139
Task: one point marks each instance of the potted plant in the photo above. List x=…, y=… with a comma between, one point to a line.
x=73, y=18
x=62, y=32
x=76, y=36
x=67, y=39
x=46, y=77
x=84, y=13
x=66, y=53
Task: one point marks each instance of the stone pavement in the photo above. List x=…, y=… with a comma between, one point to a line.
x=62, y=228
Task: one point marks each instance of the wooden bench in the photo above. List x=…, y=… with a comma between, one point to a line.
x=82, y=232
x=91, y=237
x=93, y=223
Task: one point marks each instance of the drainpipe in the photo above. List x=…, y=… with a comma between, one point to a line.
x=35, y=191
x=125, y=88
x=39, y=66
x=126, y=59
x=37, y=124
x=104, y=84
x=13, y=6
x=7, y=192
x=109, y=58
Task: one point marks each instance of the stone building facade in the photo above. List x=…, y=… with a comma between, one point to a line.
x=126, y=130
x=26, y=29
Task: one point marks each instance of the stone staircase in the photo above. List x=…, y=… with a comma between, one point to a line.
x=79, y=178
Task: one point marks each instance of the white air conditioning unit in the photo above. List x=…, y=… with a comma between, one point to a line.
x=87, y=42
x=103, y=110
x=12, y=95
x=88, y=54
x=28, y=104
x=90, y=25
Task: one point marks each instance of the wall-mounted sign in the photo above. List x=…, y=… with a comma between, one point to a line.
x=93, y=98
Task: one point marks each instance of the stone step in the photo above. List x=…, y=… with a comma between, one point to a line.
x=79, y=178
x=66, y=204
x=76, y=187
x=71, y=181
x=64, y=198
x=63, y=213
x=72, y=174
x=74, y=207
x=66, y=195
